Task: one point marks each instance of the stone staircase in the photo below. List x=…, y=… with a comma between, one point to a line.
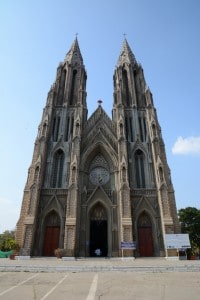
x=153, y=265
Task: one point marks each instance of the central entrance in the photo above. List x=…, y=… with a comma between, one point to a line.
x=98, y=231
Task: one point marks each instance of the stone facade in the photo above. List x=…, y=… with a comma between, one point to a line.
x=94, y=182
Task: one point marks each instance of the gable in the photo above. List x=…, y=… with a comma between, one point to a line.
x=99, y=129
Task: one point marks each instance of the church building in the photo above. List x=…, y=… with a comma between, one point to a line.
x=96, y=182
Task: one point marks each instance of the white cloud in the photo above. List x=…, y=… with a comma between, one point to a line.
x=189, y=145
x=9, y=214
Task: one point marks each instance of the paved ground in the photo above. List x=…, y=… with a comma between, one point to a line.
x=105, y=279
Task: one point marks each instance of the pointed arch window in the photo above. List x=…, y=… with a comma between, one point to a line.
x=72, y=126
x=56, y=126
x=161, y=174
x=124, y=174
x=154, y=130
x=61, y=88
x=127, y=128
x=126, y=88
x=131, y=129
x=52, y=219
x=57, y=172
x=139, y=164
x=98, y=213
x=144, y=220
x=36, y=175
x=73, y=85
x=44, y=129
x=141, y=130
x=67, y=128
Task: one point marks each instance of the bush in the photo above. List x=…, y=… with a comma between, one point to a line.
x=7, y=241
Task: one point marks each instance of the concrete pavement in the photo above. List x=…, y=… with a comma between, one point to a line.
x=99, y=279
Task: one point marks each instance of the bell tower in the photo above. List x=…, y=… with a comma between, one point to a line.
x=53, y=174
x=152, y=209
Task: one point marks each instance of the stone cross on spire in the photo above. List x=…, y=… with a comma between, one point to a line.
x=99, y=101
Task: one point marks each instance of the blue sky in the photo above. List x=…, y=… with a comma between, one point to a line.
x=36, y=35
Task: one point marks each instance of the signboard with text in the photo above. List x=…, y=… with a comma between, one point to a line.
x=128, y=245
x=177, y=241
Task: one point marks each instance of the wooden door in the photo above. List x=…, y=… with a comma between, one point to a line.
x=51, y=240
x=145, y=241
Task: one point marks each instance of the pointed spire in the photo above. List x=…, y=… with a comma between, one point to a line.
x=74, y=54
x=126, y=54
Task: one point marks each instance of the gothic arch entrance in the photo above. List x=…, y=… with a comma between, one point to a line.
x=145, y=239
x=98, y=231
x=51, y=233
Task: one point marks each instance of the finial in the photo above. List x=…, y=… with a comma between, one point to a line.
x=124, y=34
x=76, y=35
x=99, y=101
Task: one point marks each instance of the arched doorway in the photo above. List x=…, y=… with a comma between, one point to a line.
x=98, y=231
x=51, y=233
x=145, y=239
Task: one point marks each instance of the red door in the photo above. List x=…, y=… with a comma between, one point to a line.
x=51, y=240
x=145, y=241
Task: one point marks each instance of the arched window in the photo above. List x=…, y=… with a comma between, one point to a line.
x=73, y=87
x=57, y=172
x=73, y=174
x=52, y=219
x=161, y=174
x=72, y=126
x=121, y=128
x=141, y=131
x=44, y=129
x=77, y=128
x=61, y=88
x=98, y=213
x=124, y=174
x=139, y=164
x=144, y=220
x=67, y=129
x=131, y=128
x=36, y=175
x=126, y=89
x=136, y=87
x=154, y=130
x=56, y=126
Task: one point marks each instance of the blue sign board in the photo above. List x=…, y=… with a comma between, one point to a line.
x=128, y=245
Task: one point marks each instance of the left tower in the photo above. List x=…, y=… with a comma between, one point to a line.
x=52, y=176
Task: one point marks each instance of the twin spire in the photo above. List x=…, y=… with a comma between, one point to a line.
x=126, y=55
x=74, y=53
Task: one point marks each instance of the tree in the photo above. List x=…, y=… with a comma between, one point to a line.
x=190, y=223
x=7, y=240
